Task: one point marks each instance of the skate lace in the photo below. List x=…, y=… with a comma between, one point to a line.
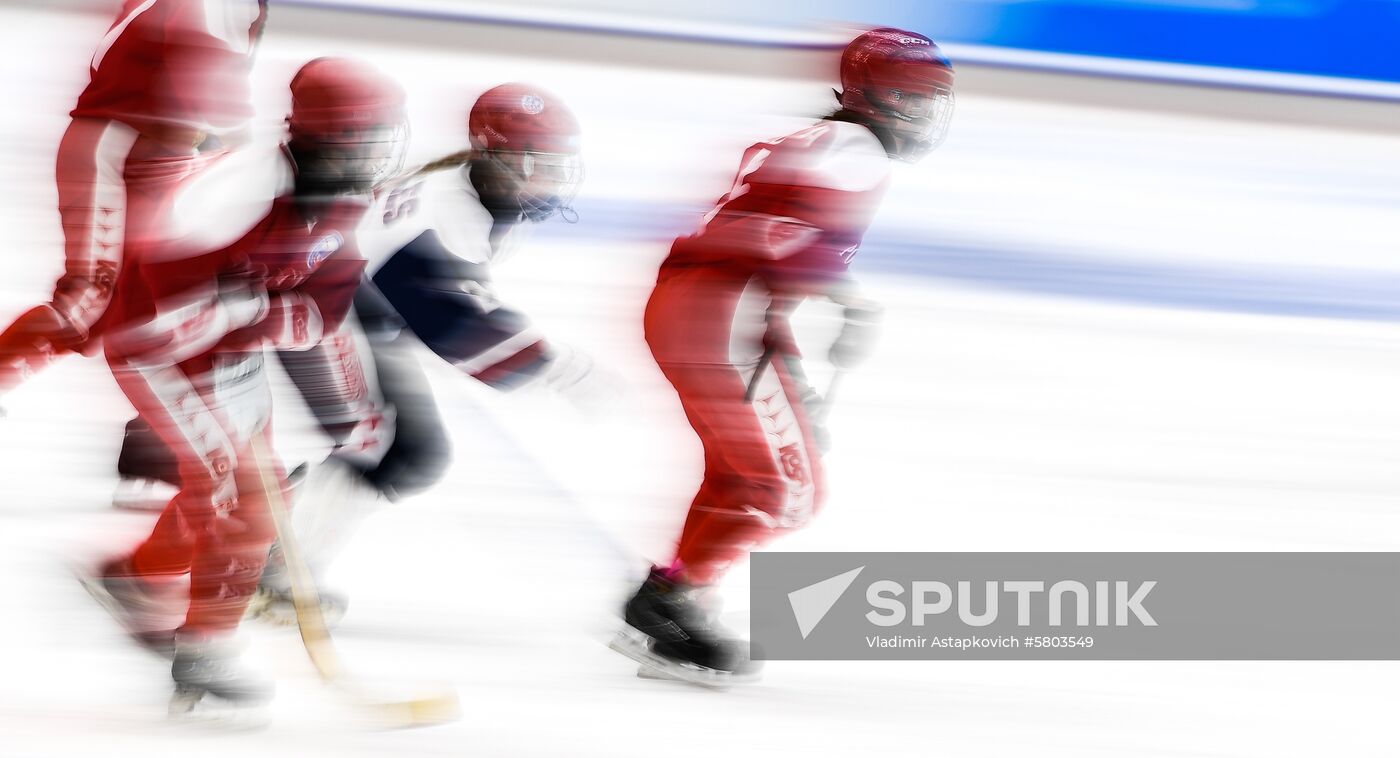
x=689, y=618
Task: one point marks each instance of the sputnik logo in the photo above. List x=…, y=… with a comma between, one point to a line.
x=811, y=603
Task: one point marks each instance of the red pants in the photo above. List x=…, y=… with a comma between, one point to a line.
x=115, y=189
x=218, y=528
x=706, y=329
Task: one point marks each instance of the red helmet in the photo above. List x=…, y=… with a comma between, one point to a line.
x=522, y=118
x=902, y=82
x=529, y=144
x=347, y=124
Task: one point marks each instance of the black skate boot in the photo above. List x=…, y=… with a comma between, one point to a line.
x=148, y=471
x=207, y=665
x=672, y=636
x=147, y=612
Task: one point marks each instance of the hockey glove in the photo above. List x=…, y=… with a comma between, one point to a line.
x=857, y=338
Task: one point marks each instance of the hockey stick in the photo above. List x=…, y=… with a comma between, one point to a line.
x=768, y=354
x=423, y=711
x=831, y=386
x=819, y=417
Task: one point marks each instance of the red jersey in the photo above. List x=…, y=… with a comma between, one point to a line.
x=798, y=209
x=170, y=310
x=176, y=64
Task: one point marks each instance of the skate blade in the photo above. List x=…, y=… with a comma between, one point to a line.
x=724, y=679
x=196, y=707
x=636, y=645
x=657, y=675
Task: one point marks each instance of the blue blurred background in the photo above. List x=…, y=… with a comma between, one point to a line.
x=1344, y=38
x=1353, y=39
x=1126, y=312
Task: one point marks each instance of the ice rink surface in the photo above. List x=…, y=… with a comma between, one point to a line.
x=1107, y=331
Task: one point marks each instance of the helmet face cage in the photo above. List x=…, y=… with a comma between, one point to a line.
x=352, y=162
x=902, y=82
x=347, y=126
x=540, y=183
x=920, y=120
x=526, y=142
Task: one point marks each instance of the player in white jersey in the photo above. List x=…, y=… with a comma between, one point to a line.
x=431, y=242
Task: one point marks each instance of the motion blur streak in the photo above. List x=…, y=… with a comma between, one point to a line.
x=1118, y=314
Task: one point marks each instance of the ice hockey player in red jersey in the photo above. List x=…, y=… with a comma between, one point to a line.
x=432, y=242
x=185, y=343
x=168, y=94
x=717, y=324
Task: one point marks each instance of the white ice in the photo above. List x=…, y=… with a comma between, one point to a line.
x=989, y=420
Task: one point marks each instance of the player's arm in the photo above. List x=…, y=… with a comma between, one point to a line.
x=450, y=304
x=196, y=305
x=760, y=235
x=208, y=50
x=790, y=193
x=300, y=317
x=862, y=318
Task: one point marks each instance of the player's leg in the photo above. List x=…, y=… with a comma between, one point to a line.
x=228, y=558
x=420, y=452
x=767, y=473
x=707, y=334
x=336, y=382
x=368, y=391
x=146, y=589
x=669, y=624
x=761, y=478
x=710, y=333
x=228, y=514
x=217, y=529
x=92, y=200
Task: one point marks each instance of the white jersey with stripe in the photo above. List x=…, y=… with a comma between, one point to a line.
x=431, y=246
x=444, y=202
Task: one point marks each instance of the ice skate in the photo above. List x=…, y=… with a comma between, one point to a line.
x=149, y=613
x=275, y=606
x=149, y=472
x=206, y=666
x=671, y=635
x=272, y=603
